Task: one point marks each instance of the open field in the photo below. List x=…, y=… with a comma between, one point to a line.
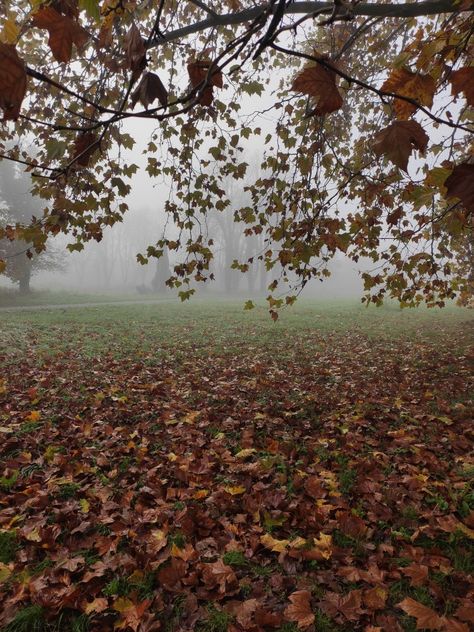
x=199, y=467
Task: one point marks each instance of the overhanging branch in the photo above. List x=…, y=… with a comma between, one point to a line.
x=373, y=9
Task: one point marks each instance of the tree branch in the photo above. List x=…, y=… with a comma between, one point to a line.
x=375, y=9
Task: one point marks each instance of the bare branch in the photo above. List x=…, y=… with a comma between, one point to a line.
x=375, y=9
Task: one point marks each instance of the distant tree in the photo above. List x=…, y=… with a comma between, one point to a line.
x=19, y=206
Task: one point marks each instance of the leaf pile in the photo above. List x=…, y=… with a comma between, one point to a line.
x=321, y=486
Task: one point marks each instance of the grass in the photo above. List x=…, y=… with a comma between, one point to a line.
x=134, y=330
x=8, y=546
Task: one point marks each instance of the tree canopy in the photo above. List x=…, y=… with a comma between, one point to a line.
x=363, y=112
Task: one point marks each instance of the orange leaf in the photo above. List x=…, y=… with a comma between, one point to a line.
x=426, y=618
x=416, y=86
x=462, y=80
x=300, y=609
x=63, y=32
x=12, y=82
x=319, y=82
x=460, y=184
x=398, y=140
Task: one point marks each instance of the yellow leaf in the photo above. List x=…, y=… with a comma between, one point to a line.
x=5, y=572
x=324, y=545
x=298, y=543
x=10, y=32
x=84, y=505
x=34, y=415
x=33, y=536
x=172, y=457
x=235, y=490
x=122, y=604
x=243, y=454
x=200, y=493
x=190, y=418
x=278, y=546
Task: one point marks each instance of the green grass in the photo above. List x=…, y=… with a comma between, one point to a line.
x=8, y=546
x=125, y=330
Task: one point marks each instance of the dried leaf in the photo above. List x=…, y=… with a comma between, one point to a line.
x=426, y=618
x=398, y=140
x=63, y=32
x=462, y=80
x=300, y=610
x=460, y=184
x=319, y=82
x=12, y=82
x=135, y=51
x=414, y=85
x=149, y=89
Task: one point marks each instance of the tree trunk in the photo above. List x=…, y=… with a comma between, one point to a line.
x=25, y=282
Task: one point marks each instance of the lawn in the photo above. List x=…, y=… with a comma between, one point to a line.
x=199, y=467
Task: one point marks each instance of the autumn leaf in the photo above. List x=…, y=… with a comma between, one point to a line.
x=375, y=598
x=149, y=89
x=319, y=82
x=135, y=52
x=278, y=546
x=299, y=610
x=132, y=613
x=398, y=140
x=63, y=32
x=12, y=82
x=198, y=71
x=426, y=618
x=414, y=85
x=85, y=146
x=460, y=184
x=462, y=80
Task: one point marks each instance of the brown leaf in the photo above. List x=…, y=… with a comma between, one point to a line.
x=132, y=613
x=465, y=611
x=218, y=574
x=135, y=51
x=460, y=184
x=84, y=146
x=462, y=80
x=417, y=573
x=416, y=86
x=375, y=598
x=149, y=89
x=398, y=140
x=12, y=82
x=319, y=82
x=299, y=610
x=198, y=71
x=426, y=618
x=63, y=32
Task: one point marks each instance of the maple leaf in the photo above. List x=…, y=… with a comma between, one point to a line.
x=84, y=147
x=426, y=618
x=63, y=32
x=414, y=85
x=319, y=82
x=460, y=184
x=132, y=613
x=398, y=140
x=198, y=70
x=417, y=573
x=149, y=89
x=278, y=546
x=462, y=80
x=299, y=610
x=135, y=51
x=375, y=598
x=12, y=82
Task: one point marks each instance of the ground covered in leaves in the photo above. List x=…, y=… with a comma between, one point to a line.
x=211, y=470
